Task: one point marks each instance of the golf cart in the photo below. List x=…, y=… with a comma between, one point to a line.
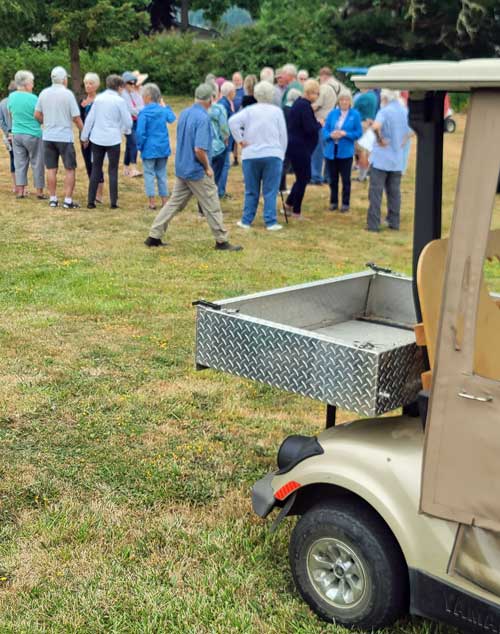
x=402, y=513
x=450, y=125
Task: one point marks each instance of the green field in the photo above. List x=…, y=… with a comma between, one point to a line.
x=124, y=473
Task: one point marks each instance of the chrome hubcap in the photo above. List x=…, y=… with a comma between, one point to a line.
x=336, y=572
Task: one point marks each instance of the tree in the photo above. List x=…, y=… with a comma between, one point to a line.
x=89, y=24
x=162, y=14
x=419, y=28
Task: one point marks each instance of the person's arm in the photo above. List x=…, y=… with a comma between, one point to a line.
x=202, y=156
x=223, y=125
x=309, y=122
x=140, y=131
x=38, y=114
x=283, y=134
x=202, y=140
x=4, y=121
x=329, y=127
x=377, y=129
x=237, y=125
x=170, y=114
x=87, y=128
x=126, y=118
x=75, y=112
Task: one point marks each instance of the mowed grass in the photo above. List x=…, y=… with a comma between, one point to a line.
x=125, y=474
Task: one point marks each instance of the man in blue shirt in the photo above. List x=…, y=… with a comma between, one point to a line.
x=194, y=176
x=387, y=160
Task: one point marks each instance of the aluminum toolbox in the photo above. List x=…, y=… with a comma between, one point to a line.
x=346, y=341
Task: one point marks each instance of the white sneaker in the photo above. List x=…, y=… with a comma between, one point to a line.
x=242, y=225
x=275, y=227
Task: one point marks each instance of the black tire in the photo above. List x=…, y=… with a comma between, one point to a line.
x=384, y=575
x=449, y=125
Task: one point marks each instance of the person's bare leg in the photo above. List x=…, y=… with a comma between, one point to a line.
x=13, y=176
x=152, y=202
x=69, y=183
x=99, y=193
x=52, y=181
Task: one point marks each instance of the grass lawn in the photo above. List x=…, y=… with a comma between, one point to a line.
x=124, y=473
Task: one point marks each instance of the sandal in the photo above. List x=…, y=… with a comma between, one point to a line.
x=42, y=197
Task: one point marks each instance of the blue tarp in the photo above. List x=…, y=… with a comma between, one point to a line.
x=353, y=70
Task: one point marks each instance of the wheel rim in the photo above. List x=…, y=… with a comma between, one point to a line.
x=336, y=573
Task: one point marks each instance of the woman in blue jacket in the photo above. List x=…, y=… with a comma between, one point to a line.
x=342, y=128
x=154, y=143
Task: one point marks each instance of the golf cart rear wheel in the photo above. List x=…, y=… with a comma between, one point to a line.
x=348, y=567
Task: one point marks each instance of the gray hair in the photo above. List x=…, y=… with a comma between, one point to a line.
x=152, y=91
x=345, y=92
x=267, y=74
x=389, y=95
x=304, y=72
x=290, y=69
x=264, y=92
x=292, y=95
x=93, y=77
x=227, y=88
x=23, y=77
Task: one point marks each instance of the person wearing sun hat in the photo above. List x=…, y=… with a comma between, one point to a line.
x=135, y=104
x=193, y=174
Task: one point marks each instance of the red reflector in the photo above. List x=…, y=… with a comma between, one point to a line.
x=286, y=489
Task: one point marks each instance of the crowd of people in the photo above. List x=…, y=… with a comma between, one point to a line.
x=282, y=123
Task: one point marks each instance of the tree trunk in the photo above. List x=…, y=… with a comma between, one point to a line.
x=184, y=15
x=76, y=73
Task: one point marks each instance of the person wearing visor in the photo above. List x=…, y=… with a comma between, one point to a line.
x=135, y=104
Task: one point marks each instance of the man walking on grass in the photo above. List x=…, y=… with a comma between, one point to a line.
x=57, y=110
x=194, y=176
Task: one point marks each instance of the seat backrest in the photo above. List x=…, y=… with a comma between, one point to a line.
x=430, y=276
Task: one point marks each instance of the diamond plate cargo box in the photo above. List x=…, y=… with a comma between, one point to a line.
x=346, y=341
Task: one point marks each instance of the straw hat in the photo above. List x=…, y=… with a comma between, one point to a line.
x=141, y=77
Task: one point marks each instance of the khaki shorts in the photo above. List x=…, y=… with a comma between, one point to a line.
x=52, y=150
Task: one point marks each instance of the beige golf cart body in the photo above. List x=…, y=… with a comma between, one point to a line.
x=434, y=480
x=439, y=490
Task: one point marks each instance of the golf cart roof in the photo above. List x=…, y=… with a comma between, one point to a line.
x=353, y=70
x=460, y=76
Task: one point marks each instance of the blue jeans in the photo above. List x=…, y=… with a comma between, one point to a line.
x=155, y=168
x=131, y=147
x=265, y=171
x=218, y=163
x=221, y=185
x=318, y=163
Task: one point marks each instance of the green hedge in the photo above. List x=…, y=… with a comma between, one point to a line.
x=178, y=62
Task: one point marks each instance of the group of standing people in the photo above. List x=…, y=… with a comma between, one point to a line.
x=286, y=122
x=39, y=132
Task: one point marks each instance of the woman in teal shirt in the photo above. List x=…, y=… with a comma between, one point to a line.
x=26, y=135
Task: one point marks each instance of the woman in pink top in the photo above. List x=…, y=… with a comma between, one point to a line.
x=135, y=104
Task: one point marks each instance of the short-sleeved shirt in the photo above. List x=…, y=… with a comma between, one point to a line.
x=21, y=106
x=366, y=104
x=58, y=106
x=395, y=130
x=193, y=131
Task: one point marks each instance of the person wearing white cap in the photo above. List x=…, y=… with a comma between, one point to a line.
x=57, y=110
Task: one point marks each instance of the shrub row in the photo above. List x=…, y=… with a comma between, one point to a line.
x=179, y=62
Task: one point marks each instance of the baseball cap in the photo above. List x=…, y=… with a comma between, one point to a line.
x=58, y=73
x=204, y=92
x=128, y=76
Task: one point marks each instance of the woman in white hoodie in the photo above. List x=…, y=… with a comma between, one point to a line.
x=261, y=130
